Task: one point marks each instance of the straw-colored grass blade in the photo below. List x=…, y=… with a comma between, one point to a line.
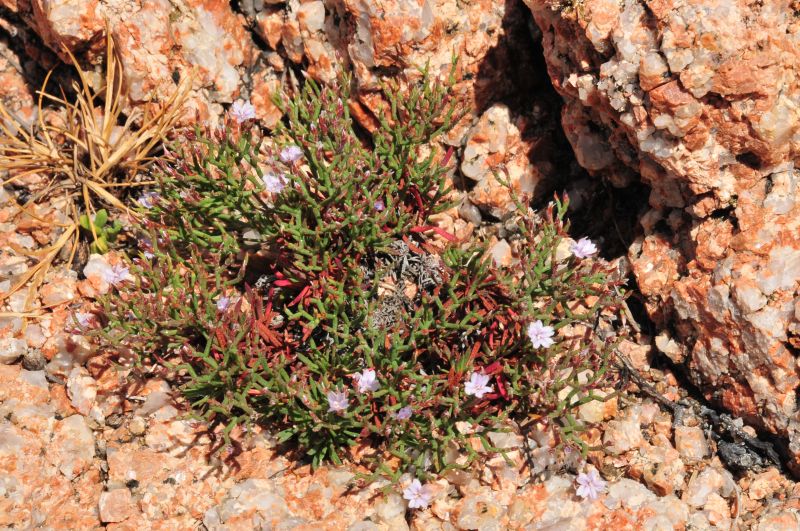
x=90, y=152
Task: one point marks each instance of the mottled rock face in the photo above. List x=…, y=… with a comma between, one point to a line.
x=700, y=100
x=494, y=148
x=161, y=41
x=65, y=26
x=253, y=49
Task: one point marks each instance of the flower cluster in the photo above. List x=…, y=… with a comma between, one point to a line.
x=366, y=381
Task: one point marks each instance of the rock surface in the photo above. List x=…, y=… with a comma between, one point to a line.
x=143, y=466
x=659, y=89
x=702, y=100
x=115, y=505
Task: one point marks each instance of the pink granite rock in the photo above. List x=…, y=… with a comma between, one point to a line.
x=157, y=41
x=690, y=442
x=495, y=150
x=66, y=26
x=73, y=446
x=17, y=96
x=82, y=390
x=699, y=100
x=116, y=505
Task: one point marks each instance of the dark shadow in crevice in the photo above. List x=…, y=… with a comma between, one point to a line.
x=514, y=73
x=16, y=41
x=609, y=216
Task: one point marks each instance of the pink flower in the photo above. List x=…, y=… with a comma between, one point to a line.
x=477, y=385
x=541, y=335
x=366, y=381
x=223, y=303
x=418, y=495
x=404, y=413
x=291, y=154
x=583, y=248
x=379, y=205
x=590, y=485
x=242, y=111
x=337, y=401
x=146, y=245
x=83, y=319
x=274, y=183
x=148, y=199
x=117, y=274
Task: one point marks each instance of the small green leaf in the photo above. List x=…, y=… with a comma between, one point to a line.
x=101, y=218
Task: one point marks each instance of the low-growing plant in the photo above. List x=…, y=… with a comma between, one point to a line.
x=101, y=231
x=290, y=281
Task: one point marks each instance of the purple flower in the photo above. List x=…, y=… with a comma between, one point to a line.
x=242, y=111
x=583, y=248
x=541, y=335
x=291, y=154
x=590, y=485
x=148, y=199
x=404, y=413
x=418, y=495
x=223, y=303
x=379, y=205
x=117, y=274
x=83, y=319
x=337, y=401
x=366, y=381
x=146, y=245
x=274, y=183
x=477, y=385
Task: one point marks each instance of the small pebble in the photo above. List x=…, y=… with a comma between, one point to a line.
x=691, y=443
x=11, y=349
x=114, y=420
x=33, y=360
x=137, y=426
